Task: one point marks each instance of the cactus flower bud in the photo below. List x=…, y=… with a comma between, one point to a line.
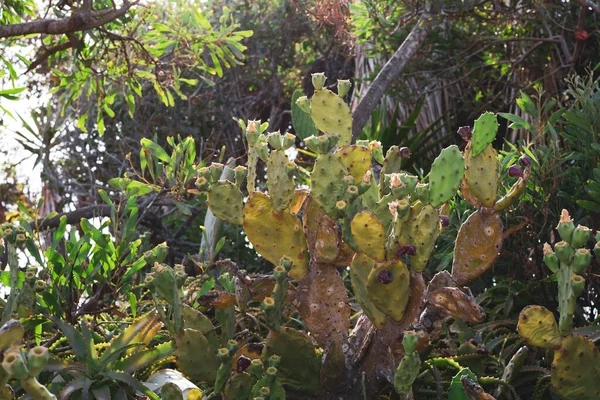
x=514, y=170
x=444, y=221
x=581, y=235
x=564, y=252
x=275, y=140
x=304, y=104
x=582, y=260
x=385, y=276
x=252, y=133
x=318, y=80
x=550, y=258
x=242, y=364
x=565, y=226
x=525, y=161
x=465, y=132
x=343, y=87
x=262, y=150
x=408, y=249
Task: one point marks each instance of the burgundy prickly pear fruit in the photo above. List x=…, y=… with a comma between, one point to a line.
x=465, y=132
x=385, y=276
x=242, y=364
x=408, y=249
x=444, y=220
x=514, y=170
x=525, y=161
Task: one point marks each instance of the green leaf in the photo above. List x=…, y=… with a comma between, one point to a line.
x=589, y=205
x=157, y=151
x=133, y=304
x=74, y=338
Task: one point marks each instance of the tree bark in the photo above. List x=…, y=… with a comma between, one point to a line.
x=388, y=74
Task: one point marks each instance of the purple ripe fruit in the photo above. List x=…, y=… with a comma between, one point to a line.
x=385, y=276
x=514, y=170
x=465, y=132
x=408, y=249
x=444, y=220
x=525, y=161
x=242, y=364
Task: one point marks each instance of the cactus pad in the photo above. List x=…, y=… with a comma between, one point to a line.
x=405, y=375
x=299, y=196
x=457, y=303
x=300, y=366
x=327, y=182
x=225, y=201
x=388, y=288
x=425, y=229
x=280, y=184
x=194, y=319
x=477, y=246
x=484, y=132
x=576, y=369
x=331, y=115
x=357, y=159
x=446, y=174
x=481, y=175
x=538, y=326
x=275, y=235
x=369, y=235
x=303, y=123
x=239, y=386
x=321, y=233
x=195, y=358
x=360, y=268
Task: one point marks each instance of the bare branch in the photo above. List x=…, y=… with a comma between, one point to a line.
x=589, y=4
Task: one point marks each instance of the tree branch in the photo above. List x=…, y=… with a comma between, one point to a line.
x=80, y=21
x=388, y=73
x=589, y=4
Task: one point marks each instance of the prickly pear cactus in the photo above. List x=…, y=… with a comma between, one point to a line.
x=484, y=132
x=225, y=201
x=481, y=176
x=538, y=326
x=357, y=160
x=388, y=288
x=359, y=272
x=446, y=174
x=576, y=369
x=195, y=358
x=369, y=234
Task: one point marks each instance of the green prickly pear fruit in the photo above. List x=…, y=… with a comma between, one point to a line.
x=376, y=151
x=581, y=235
x=15, y=364
x=538, y=326
x=304, y=104
x=318, y=80
x=550, y=258
x=388, y=288
x=565, y=226
x=252, y=132
x=343, y=87
x=582, y=260
x=421, y=192
x=241, y=173
x=447, y=172
x=37, y=359
x=564, y=252
x=484, y=132
x=216, y=169
x=275, y=140
x=577, y=285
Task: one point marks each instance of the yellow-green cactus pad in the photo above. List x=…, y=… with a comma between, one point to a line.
x=331, y=115
x=275, y=235
x=195, y=358
x=425, y=230
x=327, y=182
x=300, y=366
x=194, y=319
x=538, y=326
x=369, y=235
x=225, y=201
x=360, y=268
x=280, y=184
x=388, y=287
x=481, y=175
x=407, y=227
x=576, y=369
x=477, y=246
x=446, y=174
x=357, y=160
x=484, y=132
x=457, y=303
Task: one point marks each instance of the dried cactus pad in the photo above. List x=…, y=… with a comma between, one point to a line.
x=484, y=132
x=300, y=366
x=538, y=326
x=576, y=369
x=477, y=246
x=195, y=358
x=388, y=288
x=457, y=303
x=225, y=201
x=357, y=160
x=360, y=268
x=369, y=234
x=275, y=235
x=331, y=115
x=481, y=175
x=446, y=174
x=280, y=184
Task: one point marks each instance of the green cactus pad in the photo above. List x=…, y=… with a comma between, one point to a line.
x=239, y=386
x=194, y=319
x=275, y=235
x=446, y=174
x=360, y=268
x=10, y=333
x=576, y=369
x=538, y=326
x=477, y=246
x=300, y=366
x=225, y=201
x=481, y=176
x=406, y=373
x=390, y=298
x=280, y=184
x=457, y=303
x=357, y=159
x=331, y=115
x=393, y=161
x=425, y=229
x=327, y=182
x=303, y=123
x=195, y=358
x=484, y=132
x=369, y=234
x=406, y=229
